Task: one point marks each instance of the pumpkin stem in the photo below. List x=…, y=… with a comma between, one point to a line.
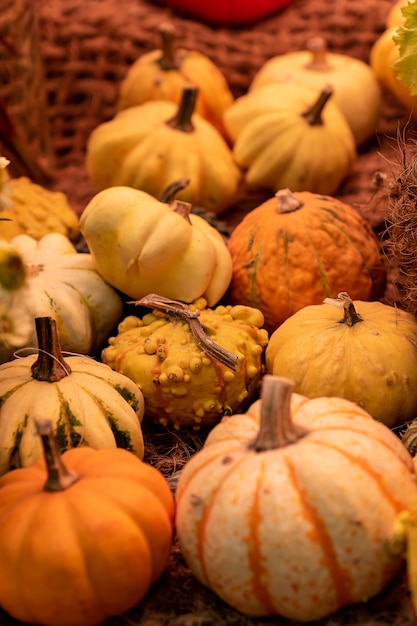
x=172, y=189
x=182, y=208
x=182, y=310
x=287, y=201
x=343, y=300
x=59, y=476
x=319, y=58
x=313, y=115
x=182, y=118
x=50, y=365
x=168, y=60
x=277, y=429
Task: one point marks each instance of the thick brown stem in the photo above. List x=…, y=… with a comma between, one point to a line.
x=50, y=365
x=313, y=115
x=350, y=315
x=59, y=476
x=277, y=429
x=172, y=189
x=287, y=202
x=179, y=309
x=182, y=119
x=168, y=60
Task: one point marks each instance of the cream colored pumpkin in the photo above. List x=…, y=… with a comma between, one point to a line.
x=88, y=403
x=287, y=509
x=48, y=277
x=142, y=245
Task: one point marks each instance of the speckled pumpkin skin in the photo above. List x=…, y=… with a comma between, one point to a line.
x=182, y=386
x=303, y=527
x=285, y=261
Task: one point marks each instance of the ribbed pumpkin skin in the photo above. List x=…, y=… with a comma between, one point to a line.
x=93, y=406
x=303, y=528
x=78, y=556
x=372, y=363
x=285, y=261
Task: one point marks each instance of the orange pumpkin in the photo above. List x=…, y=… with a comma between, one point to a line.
x=299, y=248
x=287, y=509
x=84, y=540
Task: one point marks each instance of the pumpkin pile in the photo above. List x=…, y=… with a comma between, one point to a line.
x=272, y=343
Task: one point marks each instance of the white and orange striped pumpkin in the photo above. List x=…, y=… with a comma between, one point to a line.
x=287, y=509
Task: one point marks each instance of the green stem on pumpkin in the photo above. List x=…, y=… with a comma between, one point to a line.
x=344, y=301
x=59, y=476
x=12, y=269
x=182, y=310
x=313, y=115
x=182, y=118
x=277, y=429
x=50, y=365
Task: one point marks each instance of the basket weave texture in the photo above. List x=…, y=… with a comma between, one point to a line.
x=87, y=48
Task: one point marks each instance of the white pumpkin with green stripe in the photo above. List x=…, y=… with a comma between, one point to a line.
x=88, y=403
x=48, y=277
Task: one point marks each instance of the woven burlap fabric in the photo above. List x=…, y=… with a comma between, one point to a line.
x=87, y=48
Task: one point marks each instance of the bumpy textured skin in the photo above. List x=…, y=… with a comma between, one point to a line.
x=59, y=283
x=139, y=149
x=92, y=406
x=147, y=80
x=279, y=148
x=303, y=527
x=117, y=518
x=285, y=261
x=35, y=211
x=182, y=385
x=356, y=89
x=143, y=246
x=372, y=363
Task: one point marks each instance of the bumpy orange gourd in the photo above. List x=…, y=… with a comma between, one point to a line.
x=162, y=75
x=84, y=539
x=287, y=509
x=298, y=248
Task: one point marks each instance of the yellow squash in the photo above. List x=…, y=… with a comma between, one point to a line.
x=142, y=245
x=151, y=145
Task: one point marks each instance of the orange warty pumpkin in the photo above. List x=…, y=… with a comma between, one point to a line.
x=86, y=539
x=299, y=248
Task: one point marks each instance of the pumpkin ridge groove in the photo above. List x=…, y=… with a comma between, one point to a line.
x=260, y=591
x=342, y=581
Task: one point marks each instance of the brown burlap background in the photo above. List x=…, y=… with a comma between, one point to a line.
x=87, y=46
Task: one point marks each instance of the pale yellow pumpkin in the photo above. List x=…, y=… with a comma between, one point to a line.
x=291, y=136
x=142, y=245
x=287, y=509
x=151, y=145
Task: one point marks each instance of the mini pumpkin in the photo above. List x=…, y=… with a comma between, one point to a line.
x=356, y=89
x=162, y=74
x=305, y=492
x=151, y=145
x=142, y=245
x=193, y=364
x=88, y=403
x=298, y=248
x=83, y=535
x=26, y=207
x=365, y=352
x=49, y=278
x=286, y=135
